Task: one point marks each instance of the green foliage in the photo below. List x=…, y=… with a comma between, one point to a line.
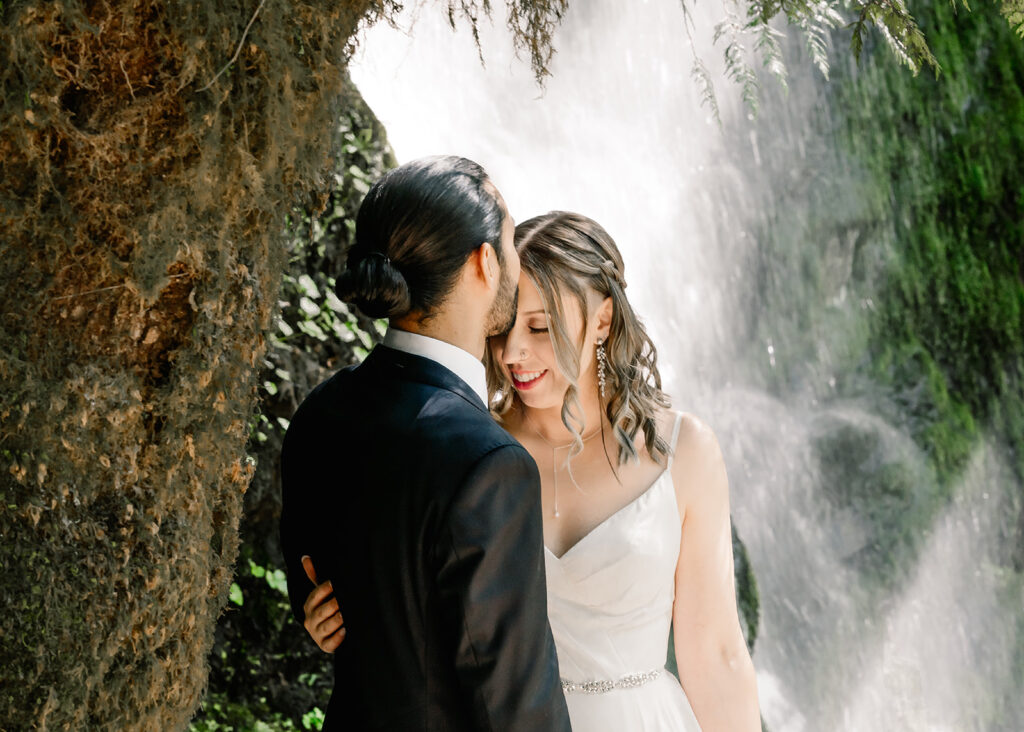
x=899, y=30
x=736, y=67
x=951, y=314
x=816, y=21
x=221, y=714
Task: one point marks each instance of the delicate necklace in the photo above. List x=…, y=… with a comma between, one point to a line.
x=554, y=467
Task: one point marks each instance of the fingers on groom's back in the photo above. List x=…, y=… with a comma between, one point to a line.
x=324, y=621
x=331, y=642
x=327, y=626
x=317, y=597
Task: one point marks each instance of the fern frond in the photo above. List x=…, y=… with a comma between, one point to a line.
x=900, y=31
x=736, y=66
x=817, y=24
x=768, y=47
x=700, y=74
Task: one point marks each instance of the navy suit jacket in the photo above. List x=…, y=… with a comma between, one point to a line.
x=425, y=515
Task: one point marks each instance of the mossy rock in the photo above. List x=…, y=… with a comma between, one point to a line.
x=882, y=490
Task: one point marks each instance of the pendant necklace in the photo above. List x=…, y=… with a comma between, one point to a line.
x=554, y=467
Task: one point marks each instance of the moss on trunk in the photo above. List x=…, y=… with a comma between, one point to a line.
x=141, y=217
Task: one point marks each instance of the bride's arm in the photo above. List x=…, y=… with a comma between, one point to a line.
x=715, y=668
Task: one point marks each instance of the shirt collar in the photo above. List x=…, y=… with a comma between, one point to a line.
x=462, y=363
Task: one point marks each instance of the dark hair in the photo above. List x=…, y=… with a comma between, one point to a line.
x=414, y=231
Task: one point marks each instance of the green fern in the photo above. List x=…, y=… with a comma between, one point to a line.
x=699, y=73
x=769, y=48
x=817, y=24
x=737, y=68
x=900, y=31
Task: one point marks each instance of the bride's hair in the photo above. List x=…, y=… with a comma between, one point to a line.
x=567, y=253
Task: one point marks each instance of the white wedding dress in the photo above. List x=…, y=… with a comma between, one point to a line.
x=610, y=606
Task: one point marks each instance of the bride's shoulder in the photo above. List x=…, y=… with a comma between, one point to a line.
x=696, y=445
x=689, y=430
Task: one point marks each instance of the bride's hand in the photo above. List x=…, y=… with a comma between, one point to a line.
x=323, y=616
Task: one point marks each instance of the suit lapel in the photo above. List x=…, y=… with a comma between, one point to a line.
x=409, y=367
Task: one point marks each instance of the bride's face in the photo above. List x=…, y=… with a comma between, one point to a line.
x=526, y=353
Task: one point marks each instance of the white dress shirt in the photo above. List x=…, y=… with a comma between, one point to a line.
x=462, y=363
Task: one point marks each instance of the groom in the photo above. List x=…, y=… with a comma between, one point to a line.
x=421, y=511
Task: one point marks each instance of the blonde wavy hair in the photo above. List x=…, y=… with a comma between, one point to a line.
x=564, y=252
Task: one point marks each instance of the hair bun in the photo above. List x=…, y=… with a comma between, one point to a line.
x=374, y=285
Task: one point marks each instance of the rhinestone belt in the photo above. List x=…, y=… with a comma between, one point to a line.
x=605, y=685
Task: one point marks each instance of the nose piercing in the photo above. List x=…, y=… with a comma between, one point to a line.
x=522, y=355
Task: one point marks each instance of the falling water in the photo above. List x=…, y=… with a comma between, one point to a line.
x=620, y=134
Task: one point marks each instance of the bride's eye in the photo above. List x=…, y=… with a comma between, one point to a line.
x=538, y=330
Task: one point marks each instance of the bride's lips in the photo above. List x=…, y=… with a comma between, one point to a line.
x=529, y=380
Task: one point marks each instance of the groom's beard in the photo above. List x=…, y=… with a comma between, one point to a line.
x=502, y=315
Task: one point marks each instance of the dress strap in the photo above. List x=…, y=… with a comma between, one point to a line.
x=675, y=439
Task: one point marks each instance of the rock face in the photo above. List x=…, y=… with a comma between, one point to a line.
x=141, y=202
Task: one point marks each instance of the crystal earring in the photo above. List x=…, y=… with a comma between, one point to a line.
x=602, y=364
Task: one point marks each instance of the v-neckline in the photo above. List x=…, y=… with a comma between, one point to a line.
x=646, y=491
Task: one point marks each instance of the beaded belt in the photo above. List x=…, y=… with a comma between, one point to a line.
x=605, y=685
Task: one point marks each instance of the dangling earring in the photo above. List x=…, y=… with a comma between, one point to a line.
x=602, y=364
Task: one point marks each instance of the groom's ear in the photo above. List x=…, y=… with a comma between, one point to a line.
x=484, y=264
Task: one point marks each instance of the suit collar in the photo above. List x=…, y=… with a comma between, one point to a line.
x=410, y=367
x=462, y=363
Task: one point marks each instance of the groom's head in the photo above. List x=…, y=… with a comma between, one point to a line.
x=432, y=234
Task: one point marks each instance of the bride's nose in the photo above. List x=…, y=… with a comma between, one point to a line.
x=515, y=349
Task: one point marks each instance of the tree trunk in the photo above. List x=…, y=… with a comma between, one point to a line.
x=142, y=197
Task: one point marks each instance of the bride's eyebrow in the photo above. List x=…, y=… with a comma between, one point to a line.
x=534, y=312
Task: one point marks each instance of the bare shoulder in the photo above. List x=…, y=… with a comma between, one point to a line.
x=698, y=468
x=695, y=438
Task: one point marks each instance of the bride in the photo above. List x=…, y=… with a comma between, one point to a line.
x=635, y=498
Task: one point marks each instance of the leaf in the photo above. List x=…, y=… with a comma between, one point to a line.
x=700, y=74
x=308, y=286
x=310, y=308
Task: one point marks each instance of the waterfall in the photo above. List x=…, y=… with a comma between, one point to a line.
x=619, y=134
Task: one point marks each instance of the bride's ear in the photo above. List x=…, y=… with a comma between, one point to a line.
x=603, y=317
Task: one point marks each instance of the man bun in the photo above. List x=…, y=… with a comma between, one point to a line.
x=374, y=285
x=415, y=230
